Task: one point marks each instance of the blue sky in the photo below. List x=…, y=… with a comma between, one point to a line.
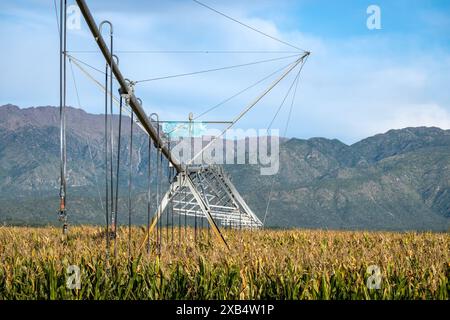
x=357, y=82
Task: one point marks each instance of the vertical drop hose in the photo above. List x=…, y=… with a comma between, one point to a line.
x=117, y=176
x=108, y=164
x=62, y=114
x=130, y=176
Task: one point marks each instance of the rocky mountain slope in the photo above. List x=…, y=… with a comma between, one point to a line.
x=399, y=180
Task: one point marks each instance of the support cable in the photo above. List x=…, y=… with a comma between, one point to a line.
x=87, y=139
x=283, y=101
x=56, y=16
x=247, y=26
x=139, y=112
x=194, y=72
x=191, y=51
x=88, y=65
x=296, y=80
x=216, y=69
x=249, y=107
x=102, y=87
x=240, y=92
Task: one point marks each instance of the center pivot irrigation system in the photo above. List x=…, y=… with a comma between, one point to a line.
x=198, y=191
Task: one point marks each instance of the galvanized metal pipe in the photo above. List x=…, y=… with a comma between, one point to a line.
x=134, y=104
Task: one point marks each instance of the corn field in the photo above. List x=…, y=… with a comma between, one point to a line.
x=264, y=264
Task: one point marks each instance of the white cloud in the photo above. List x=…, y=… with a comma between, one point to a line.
x=349, y=89
x=414, y=116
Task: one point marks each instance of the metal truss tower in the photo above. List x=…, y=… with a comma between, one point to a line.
x=207, y=191
x=196, y=190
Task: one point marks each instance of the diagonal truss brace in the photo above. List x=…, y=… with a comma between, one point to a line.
x=208, y=193
x=181, y=180
x=204, y=206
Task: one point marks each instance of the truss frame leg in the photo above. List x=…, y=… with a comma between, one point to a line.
x=240, y=200
x=206, y=210
x=184, y=180
x=159, y=211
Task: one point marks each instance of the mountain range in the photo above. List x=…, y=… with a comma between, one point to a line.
x=398, y=180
